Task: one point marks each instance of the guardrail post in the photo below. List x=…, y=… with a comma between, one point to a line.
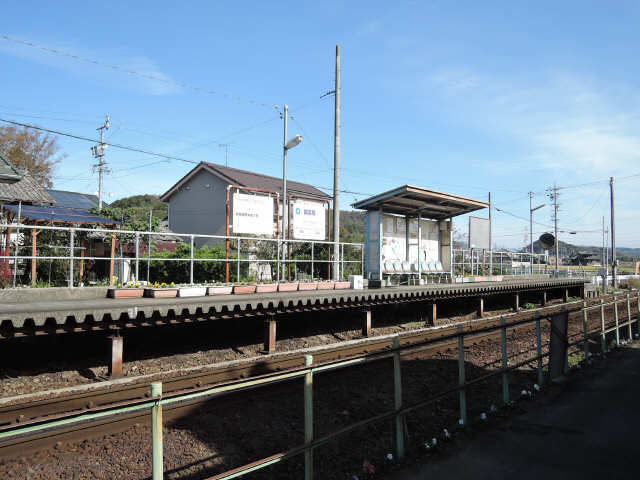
x=71, y=242
x=156, y=429
x=461, y=377
x=585, y=315
x=308, y=418
x=503, y=346
x=603, y=335
x=397, y=384
x=629, y=317
x=366, y=323
x=238, y=262
x=539, y=351
x=615, y=311
x=137, y=256
x=312, y=252
x=191, y=262
x=558, y=345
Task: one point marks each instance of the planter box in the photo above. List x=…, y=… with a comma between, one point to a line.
x=308, y=286
x=192, y=291
x=241, y=289
x=326, y=285
x=288, y=286
x=161, y=292
x=342, y=285
x=125, y=292
x=220, y=290
x=267, y=288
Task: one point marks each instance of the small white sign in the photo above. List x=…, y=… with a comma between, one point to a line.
x=308, y=220
x=253, y=214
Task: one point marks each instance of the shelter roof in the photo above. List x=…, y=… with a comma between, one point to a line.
x=9, y=173
x=25, y=190
x=411, y=200
x=59, y=215
x=245, y=178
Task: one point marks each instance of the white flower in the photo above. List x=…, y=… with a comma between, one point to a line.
x=578, y=365
x=389, y=456
x=355, y=477
x=446, y=433
x=528, y=393
x=523, y=393
x=492, y=408
x=536, y=387
x=483, y=416
x=434, y=441
x=427, y=446
x=461, y=421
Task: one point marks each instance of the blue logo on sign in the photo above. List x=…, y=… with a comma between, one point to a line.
x=297, y=211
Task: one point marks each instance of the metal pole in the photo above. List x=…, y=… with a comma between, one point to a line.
x=156, y=429
x=603, y=335
x=629, y=317
x=336, y=169
x=191, y=262
x=555, y=223
x=137, y=256
x=531, y=227
x=238, y=262
x=71, y=242
x=490, y=236
x=285, y=201
x=614, y=267
x=505, y=378
x=615, y=310
x=461, y=377
x=585, y=314
x=149, y=245
x=605, y=267
x=308, y=418
x=539, y=352
x=397, y=383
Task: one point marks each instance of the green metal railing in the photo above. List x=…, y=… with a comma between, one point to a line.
x=307, y=373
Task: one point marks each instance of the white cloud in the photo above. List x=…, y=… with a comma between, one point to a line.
x=151, y=81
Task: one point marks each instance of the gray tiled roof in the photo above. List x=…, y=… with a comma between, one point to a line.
x=9, y=173
x=27, y=190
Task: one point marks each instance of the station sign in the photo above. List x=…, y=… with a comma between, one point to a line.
x=253, y=214
x=308, y=220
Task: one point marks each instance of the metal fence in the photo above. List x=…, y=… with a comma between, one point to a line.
x=507, y=363
x=475, y=261
x=94, y=255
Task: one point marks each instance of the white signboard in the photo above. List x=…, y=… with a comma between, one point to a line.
x=252, y=214
x=308, y=220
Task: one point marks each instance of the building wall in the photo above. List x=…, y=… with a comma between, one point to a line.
x=199, y=206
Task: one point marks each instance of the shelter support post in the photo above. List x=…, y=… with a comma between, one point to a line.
x=366, y=323
x=81, y=272
x=34, y=244
x=270, y=334
x=558, y=346
x=115, y=367
x=516, y=302
x=113, y=254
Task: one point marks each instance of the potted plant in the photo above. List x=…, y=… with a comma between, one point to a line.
x=287, y=286
x=161, y=290
x=128, y=290
x=267, y=286
x=244, y=288
x=192, y=291
x=220, y=289
x=342, y=284
x=307, y=285
x=326, y=284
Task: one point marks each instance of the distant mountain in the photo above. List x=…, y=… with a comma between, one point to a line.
x=567, y=249
x=140, y=206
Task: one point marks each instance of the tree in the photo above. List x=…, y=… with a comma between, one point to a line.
x=31, y=150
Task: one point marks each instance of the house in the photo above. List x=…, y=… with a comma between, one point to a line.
x=9, y=173
x=198, y=202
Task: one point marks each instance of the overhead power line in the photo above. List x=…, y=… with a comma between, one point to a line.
x=136, y=73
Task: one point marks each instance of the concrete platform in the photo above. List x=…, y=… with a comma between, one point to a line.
x=589, y=430
x=38, y=312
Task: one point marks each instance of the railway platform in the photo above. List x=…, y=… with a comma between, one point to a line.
x=587, y=429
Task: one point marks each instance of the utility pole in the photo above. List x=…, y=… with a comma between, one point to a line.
x=98, y=152
x=336, y=172
x=614, y=267
x=553, y=196
x=226, y=153
x=490, y=237
x=605, y=267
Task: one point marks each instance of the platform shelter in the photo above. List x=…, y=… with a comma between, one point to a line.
x=408, y=232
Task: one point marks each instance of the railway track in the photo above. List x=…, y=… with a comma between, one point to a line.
x=101, y=399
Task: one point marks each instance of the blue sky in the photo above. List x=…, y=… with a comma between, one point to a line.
x=465, y=97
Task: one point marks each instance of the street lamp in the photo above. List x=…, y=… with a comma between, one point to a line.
x=286, y=145
x=531, y=210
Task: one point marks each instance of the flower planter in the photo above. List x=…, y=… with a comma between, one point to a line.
x=242, y=289
x=267, y=288
x=192, y=291
x=326, y=285
x=220, y=290
x=118, y=292
x=308, y=286
x=161, y=292
x=288, y=286
x=341, y=285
